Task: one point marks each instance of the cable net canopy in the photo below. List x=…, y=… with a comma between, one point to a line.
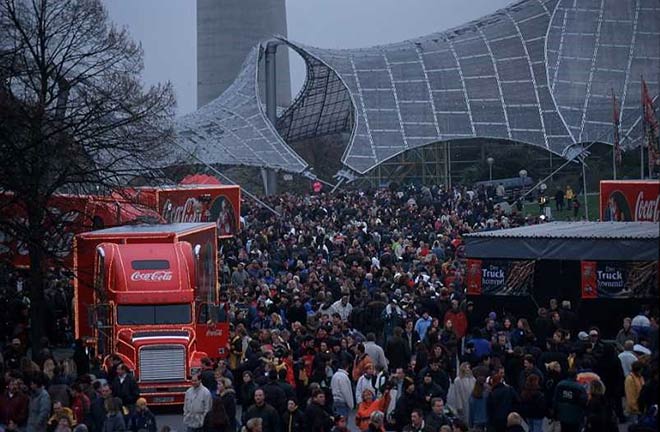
x=233, y=129
x=539, y=72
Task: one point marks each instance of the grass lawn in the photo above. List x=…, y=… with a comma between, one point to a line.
x=567, y=214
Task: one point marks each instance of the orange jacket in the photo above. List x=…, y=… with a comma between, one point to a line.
x=365, y=409
x=359, y=366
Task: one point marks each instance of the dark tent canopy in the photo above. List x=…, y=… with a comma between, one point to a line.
x=604, y=241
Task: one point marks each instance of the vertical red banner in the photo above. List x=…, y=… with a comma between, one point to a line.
x=589, y=279
x=474, y=277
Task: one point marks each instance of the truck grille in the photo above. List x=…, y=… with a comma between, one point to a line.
x=163, y=363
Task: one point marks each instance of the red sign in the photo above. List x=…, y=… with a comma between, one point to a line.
x=589, y=281
x=474, y=277
x=630, y=200
x=155, y=276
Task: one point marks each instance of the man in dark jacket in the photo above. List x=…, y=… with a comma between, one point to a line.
x=569, y=403
x=396, y=350
x=274, y=393
x=208, y=376
x=427, y=390
x=404, y=405
x=417, y=423
x=97, y=408
x=437, y=418
x=438, y=376
x=317, y=418
x=125, y=387
x=264, y=411
x=501, y=402
x=142, y=419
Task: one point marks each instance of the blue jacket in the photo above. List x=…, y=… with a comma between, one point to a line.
x=422, y=325
x=478, y=411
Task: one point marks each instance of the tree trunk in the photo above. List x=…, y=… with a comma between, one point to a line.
x=37, y=275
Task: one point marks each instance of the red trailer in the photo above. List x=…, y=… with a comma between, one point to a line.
x=149, y=294
x=630, y=200
x=67, y=216
x=194, y=203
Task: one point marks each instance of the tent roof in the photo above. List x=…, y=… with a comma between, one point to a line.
x=614, y=241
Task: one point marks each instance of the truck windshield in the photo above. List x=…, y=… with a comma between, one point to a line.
x=154, y=314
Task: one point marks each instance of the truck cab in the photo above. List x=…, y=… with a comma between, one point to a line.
x=148, y=294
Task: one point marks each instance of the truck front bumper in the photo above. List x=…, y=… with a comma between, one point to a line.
x=163, y=394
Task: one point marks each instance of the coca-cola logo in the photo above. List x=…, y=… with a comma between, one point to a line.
x=647, y=210
x=213, y=332
x=153, y=276
x=190, y=211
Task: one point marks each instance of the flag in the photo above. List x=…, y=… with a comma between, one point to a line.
x=651, y=131
x=617, y=144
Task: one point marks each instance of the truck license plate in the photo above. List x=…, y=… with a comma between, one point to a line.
x=164, y=399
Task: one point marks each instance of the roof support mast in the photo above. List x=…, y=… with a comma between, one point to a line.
x=269, y=175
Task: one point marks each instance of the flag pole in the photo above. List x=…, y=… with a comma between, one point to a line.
x=641, y=147
x=614, y=136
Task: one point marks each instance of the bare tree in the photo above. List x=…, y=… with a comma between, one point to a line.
x=74, y=115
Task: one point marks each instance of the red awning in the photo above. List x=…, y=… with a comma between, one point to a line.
x=200, y=179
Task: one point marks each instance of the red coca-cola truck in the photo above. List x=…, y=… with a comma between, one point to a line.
x=67, y=216
x=630, y=200
x=184, y=203
x=149, y=294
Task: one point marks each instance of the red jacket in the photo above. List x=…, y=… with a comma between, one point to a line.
x=14, y=408
x=459, y=320
x=80, y=405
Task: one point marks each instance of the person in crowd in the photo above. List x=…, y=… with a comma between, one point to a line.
x=39, y=407
x=293, y=420
x=479, y=405
x=197, y=403
x=436, y=418
x=600, y=415
x=260, y=409
x=254, y=425
x=417, y=423
x=14, y=406
x=125, y=387
x=633, y=387
x=227, y=395
x=532, y=405
x=462, y=389
x=342, y=392
x=216, y=420
x=114, y=420
x=59, y=411
x=514, y=423
x=142, y=418
x=317, y=418
x=501, y=401
x=569, y=403
x=98, y=411
x=368, y=405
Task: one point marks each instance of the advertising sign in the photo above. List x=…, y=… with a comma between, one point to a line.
x=499, y=277
x=630, y=200
x=612, y=279
x=195, y=203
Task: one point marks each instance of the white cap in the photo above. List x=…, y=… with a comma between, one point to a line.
x=641, y=349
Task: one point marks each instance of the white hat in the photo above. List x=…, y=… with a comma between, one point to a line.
x=641, y=349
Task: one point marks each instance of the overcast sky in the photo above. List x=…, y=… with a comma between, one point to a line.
x=167, y=31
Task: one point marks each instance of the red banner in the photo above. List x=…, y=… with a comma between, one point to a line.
x=630, y=200
x=588, y=277
x=474, y=277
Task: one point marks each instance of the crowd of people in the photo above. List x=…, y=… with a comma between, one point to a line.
x=348, y=312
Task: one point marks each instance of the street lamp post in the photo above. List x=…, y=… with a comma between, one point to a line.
x=522, y=173
x=490, y=161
